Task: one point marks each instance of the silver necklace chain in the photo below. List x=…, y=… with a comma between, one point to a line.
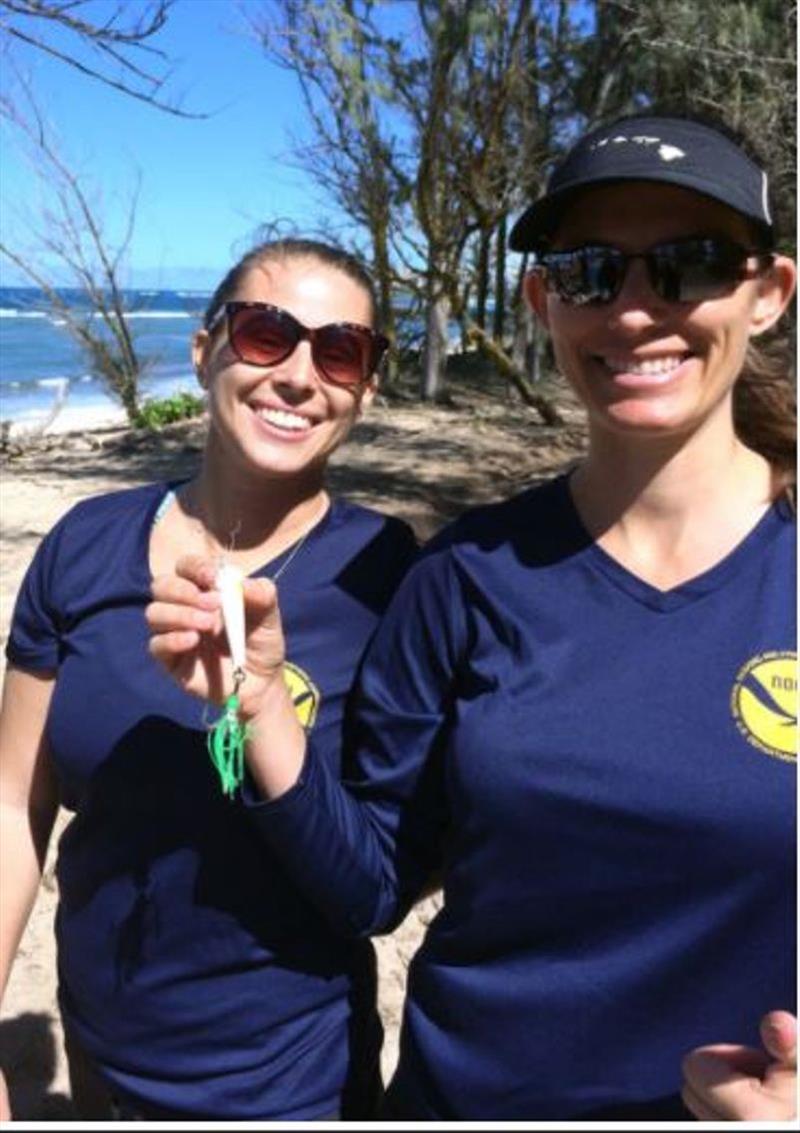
x=294, y=550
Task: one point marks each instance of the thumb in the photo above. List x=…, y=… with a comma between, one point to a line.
x=261, y=601
x=266, y=649
x=265, y=644
x=779, y=1036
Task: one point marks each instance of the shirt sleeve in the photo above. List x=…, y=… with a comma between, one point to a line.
x=34, y=638
x=363, y=849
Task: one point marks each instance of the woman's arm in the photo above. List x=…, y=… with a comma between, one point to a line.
x=28, y=807
x=28, y=803
x=362, y=854
x=364, y=848
x=725, y=1082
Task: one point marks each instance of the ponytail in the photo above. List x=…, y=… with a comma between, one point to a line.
x=765, y=409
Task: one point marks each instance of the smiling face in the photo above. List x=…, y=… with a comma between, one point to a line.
x=283, y=420
x=640, y=363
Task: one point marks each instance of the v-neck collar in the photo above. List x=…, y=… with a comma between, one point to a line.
x=665, y=601
x=164, y=494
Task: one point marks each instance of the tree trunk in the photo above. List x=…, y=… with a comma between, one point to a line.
x=523, y=336
x=482, y=278
x=506, y=367
x=498, y=322
x=387, y=322
x=534, y=354
x=61, y=394
x=129, y=396
x=434, y=354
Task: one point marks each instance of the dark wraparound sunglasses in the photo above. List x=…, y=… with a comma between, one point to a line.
x=345, y=354
x=680, y=271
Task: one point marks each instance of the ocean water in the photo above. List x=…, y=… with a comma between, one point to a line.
x=38, y=355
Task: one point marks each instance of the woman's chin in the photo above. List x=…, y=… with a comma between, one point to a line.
x=641, y=417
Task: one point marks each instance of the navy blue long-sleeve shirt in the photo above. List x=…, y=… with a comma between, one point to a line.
x=604, y=774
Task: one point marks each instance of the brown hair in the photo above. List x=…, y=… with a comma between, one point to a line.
x=765, y=408
x=290, y=248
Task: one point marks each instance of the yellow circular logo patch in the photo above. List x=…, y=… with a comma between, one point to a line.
x=764, y=703
x=304, y=694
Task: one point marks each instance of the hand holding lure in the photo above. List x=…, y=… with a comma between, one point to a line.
x=227, y=737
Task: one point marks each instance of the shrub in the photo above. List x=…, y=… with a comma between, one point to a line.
x=160, y=411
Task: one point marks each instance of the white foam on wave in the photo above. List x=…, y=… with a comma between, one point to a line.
x=14, y=313
x=53, y=383
x=155, y=314
x=31, y=402
x=163, y=314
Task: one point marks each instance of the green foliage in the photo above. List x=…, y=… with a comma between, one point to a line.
x=735, y=60
x=160, y=411
x=432, y=123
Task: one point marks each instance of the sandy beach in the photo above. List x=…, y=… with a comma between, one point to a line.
x=424, y=464
x=70, y=419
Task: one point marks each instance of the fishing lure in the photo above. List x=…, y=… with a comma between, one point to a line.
x=227, y=737
x=230, y=583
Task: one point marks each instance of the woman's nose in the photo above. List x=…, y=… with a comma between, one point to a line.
x=637, y=304
x=297, y=372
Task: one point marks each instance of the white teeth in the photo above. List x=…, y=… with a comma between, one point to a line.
x=283, y=419
x=645, y=365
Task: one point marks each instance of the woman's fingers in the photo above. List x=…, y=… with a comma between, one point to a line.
x=183, y=591
x=5, y=1106
x=188, y=637
x=261, y=597
x=262, y=612
x=166, y=647
x=719, y=1080
x=698, y=1106
x=194, y=662
x=265, y=644
x=194, y=584
x=779, y=1036
x=737, y=1083
x=166, y=617
x=199, y=570
x=179, y=615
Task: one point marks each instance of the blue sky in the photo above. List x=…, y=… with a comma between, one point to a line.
x=206, y=184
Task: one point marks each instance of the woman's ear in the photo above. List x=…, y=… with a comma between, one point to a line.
x=775, y=289
x=536, y=294
x=201, y=342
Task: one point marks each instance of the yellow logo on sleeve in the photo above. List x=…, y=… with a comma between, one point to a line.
x=304, y=693
x=764, y=703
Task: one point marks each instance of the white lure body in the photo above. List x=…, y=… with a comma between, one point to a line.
x=229, y=583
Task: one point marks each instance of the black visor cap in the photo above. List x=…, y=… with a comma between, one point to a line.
x=671, y=151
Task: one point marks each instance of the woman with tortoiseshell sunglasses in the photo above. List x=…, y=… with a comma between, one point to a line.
x=196, y=981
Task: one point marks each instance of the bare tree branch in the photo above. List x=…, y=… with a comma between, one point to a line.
x=73, y=235
x=115, y=41
x=142, y=29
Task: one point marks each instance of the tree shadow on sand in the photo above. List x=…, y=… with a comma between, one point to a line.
x=28, y=1058
x=425, y=463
